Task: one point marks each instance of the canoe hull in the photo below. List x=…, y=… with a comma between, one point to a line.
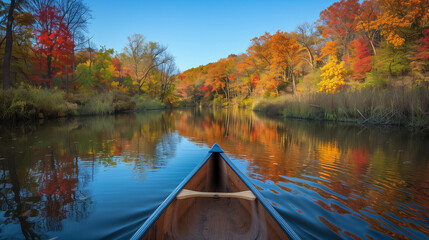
x=215, y=218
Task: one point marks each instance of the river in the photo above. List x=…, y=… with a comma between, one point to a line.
x=102, y=177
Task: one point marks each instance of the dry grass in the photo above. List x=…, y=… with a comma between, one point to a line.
x=397, y=106
x=33, y=103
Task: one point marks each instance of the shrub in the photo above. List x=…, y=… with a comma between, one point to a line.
x=246, y=103
x=143, y=102
x=48, y=103
x=219, y=101
x=33, y=102
x=100, y=104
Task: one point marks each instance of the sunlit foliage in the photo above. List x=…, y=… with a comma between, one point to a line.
x=370, y=43
x=333, y=76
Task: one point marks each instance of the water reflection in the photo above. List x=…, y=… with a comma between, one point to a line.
x=101, y=177
x=40, y=189
x=329, y=180
x=46, y=170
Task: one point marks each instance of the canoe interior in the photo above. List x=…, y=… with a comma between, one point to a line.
x=209, y=218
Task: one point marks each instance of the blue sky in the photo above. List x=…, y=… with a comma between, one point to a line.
x=197, y=32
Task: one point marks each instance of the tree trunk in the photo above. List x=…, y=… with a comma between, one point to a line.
x=227, y=90
x=293, y=84
x=49, y=67
x=73, y=66
x=277, y=88
x=67, y=82
x=373, y=47
x=310, y=55
x=8, y=48
x=90, y=60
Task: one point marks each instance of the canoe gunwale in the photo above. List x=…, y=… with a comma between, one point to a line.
x=276, y=216
x=155, y=215
x=215, y=150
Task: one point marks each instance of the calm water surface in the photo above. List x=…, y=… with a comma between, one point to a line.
x=102, y=177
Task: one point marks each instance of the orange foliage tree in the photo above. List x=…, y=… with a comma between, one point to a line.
x=340, y=20
x=286, y=56
x=398, y=17
x=369, y=12
x=330, y=48
x=220, y=76
x=247, y=71
x=260, y=50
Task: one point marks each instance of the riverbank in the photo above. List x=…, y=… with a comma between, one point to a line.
x=397, y=106
x=34, y=103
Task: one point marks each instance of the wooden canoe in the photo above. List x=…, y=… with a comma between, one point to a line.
x=215, y=201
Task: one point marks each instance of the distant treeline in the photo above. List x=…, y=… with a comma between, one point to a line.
x=376, y=44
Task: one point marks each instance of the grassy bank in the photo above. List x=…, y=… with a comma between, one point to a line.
x=33, y=103
x=398, y=106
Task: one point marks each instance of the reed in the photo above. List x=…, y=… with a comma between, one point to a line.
x=396, y=106
x=143, y=102
x=97, y=104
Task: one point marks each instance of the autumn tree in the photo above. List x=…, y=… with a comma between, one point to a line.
x=369, y=12
x=361, y=58
x=54, y=47
x=309, y=39
x=332, y=76
x=392, y=61
x=285, y=57
x=420, y=64
x=75, y=14
x=122, y=74
x=190, y=85
x=247, y=71
x=84, y=73
x=104, y=70
x=143, y=58
x=401, y=19
x=340, y=21
x=260, y=50
x=167, y=75
x=220, y=76
x=329, y=49
x=20, y=66
x=15, y=9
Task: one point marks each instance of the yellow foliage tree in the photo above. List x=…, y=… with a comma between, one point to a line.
x=333, y=76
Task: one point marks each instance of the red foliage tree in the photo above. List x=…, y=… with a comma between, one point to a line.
x=362, y=58
x=54, y=47
x=420, y=60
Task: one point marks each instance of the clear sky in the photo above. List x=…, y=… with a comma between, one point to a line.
x=197, y=32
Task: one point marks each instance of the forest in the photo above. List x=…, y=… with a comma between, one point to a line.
x=364, y=61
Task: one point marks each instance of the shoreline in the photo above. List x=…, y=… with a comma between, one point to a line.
x=396, y=107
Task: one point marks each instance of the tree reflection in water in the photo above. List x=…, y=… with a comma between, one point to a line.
x=44, y=177
x=375, y=175
x=328, y=180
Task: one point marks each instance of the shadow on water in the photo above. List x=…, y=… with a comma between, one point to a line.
x=46, y=169
x=101, y=177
